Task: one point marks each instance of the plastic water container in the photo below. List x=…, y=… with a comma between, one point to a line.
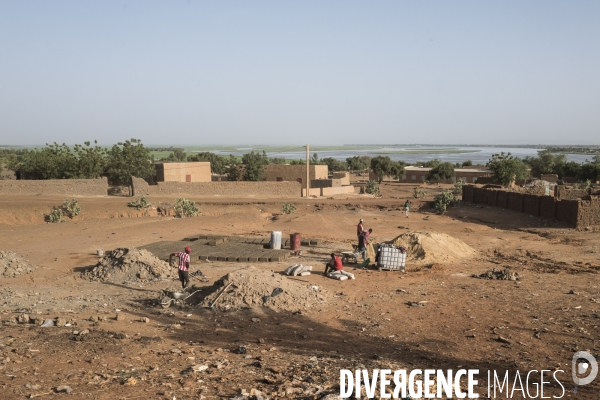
x=276, y=240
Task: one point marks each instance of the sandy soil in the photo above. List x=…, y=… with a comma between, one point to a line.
x=460, y=321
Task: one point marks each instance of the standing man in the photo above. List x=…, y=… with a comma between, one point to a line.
x=359, y=228
x=407, y=207
x=335, y=264
x=363, y=241
x=183, y=266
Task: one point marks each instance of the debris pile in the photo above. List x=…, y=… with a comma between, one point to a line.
x=252, y=287
x=430, y=248
x=500, y=275
x=13, y=265
x=129, y=265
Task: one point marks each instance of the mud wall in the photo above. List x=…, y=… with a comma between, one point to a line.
x=531, y=204
x=588, y=212
x=229, y=189
x=547, y=207
x=578, y=213
x=65, y=187
x=561, y=192
x=515, y=201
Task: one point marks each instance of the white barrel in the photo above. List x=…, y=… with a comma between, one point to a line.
x=276, y=240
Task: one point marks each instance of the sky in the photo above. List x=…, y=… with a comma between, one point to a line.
x=293, y=72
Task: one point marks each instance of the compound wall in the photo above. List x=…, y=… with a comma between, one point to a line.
x=66, y=187
x=211, y=189
x=561, y=192
x=297, y=173
x=579, y=213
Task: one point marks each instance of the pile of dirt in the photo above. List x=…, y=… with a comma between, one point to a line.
x=500, y=275
x=430, y=248
x=252, y=287
x=13, y=265
x=129, y=264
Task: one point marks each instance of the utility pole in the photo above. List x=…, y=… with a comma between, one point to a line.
x=307, y=172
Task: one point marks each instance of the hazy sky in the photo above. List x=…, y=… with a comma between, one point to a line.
x=294, y=72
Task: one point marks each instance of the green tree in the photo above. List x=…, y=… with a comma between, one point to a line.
x=91, y=161
x=218, y=164
x=358, y=163
x=51, y=162
x=297, y=162
x=467, y=163
x=545, y=163
x=589, y=171
x=178, y=155
x=127, y=159
x=277, y=160
x=254, y=165
x=381, y=166
x=233, y=168
x=507, y=168
x=441, y=172
x=334, y=165
x=314, y=160
x=432, y=163
x=397, y=169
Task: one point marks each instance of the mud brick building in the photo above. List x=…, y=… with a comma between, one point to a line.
x=183, y=172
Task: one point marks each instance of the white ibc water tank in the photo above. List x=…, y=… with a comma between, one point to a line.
x=276, y=240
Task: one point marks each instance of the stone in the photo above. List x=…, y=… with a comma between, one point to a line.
x=63, y=389
x=145, y=320
x=23, y=319
x=120, y=317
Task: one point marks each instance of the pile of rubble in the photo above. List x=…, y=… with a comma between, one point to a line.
x=252, y=287
x=130, y=265
x=500, y=275
x=13, y=265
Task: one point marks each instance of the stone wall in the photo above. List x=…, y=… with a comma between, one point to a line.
x=211, y=189
x=66, y=187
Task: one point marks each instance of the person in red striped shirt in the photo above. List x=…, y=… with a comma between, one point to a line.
x=183, y=266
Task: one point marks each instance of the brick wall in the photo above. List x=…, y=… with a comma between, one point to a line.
x=66, y=187
x=531, y=204
x=229, y=189
x=515, y=201
x=547, y=207
x=343, y=175
x=566, y=211
x=323, y=183
x=562, y=192
x=467, y=193
x=502, y=199
x=588, y=212
x=480, y=196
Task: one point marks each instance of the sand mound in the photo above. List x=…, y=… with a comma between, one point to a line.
x=13, y=265
x=126, y=265
x=252, y=287
x=429, y=248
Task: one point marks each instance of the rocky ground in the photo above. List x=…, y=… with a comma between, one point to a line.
x=111, y=339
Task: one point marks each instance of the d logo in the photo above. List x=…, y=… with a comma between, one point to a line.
x=589, y=366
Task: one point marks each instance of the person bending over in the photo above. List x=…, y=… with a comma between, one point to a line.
x=183, y=266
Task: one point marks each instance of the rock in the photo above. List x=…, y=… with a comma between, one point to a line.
x=145, y=320
x=63, y=389
x=120, y=317
x=61, y=321
x=84, y=332
x=255, y=320
x=47, y=323
x=504, y=340
x=23, y=319
x=93, y=318
x=36, y=320
x=32, y=387
x=331, y=397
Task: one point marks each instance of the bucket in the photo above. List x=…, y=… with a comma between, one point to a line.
x=295, y=241
x=100, y=252
x=276, y=240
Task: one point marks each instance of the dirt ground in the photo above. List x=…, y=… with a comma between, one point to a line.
x=433, y=316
